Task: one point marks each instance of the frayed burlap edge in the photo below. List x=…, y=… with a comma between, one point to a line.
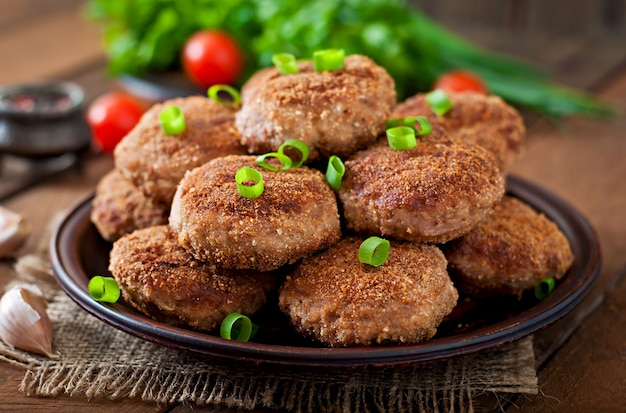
x=96, y=360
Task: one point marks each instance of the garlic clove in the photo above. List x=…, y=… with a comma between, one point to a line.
x=24, y=322
x=14, y=230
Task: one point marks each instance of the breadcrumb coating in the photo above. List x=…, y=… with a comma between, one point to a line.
x=334, y=112
x=156, y=162
x=119, y=207
x=160, y=279
x=509, y=252
x=339, y=301
x=432, y=193
x=483, y=119
x=295, y=216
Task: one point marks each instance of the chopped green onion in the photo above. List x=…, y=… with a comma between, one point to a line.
x=234, y=96
x=425, y=126
x=544, y=288
x=335, y=171
x=392, y=123
x=249, y=174
x=283, y=159
x=401, y=138
x=236, y=330
x=172, y=120
x=104, y=289
x=285, y=63
x=300, y=146
x=236, y=326
x=439, y=102
x=328, y=59
x=374, y=251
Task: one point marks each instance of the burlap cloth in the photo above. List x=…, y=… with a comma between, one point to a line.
x=96, y=360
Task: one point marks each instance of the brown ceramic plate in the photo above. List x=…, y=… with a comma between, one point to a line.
x=78, y=252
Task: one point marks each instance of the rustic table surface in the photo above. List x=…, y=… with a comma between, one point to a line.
x=581, y=359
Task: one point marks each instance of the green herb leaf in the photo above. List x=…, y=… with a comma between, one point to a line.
x=145, y=35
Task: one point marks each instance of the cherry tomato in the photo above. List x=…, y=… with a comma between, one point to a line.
x=211, y=57
x=111, y=117
x=460, y=81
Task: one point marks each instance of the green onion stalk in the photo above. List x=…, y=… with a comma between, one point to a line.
x=143, y=36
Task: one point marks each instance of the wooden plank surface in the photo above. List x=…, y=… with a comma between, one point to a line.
x=18, y=12
x=585, y=164
x=584, y=375
x=50, y=46
x=582, y=19
x=53, y=41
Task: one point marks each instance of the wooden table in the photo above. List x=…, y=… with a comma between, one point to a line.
x=581, y=359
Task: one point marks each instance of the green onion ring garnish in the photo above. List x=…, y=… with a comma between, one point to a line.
x=249, y=174
x=543, y=288
x=283, y=159
x=374, y=251
x=328, y=59
x=285, y=63
x=300, y=146
x=425, y=126
x=439, y=102
x=238, y=324
x=392, y=123
x=335, y=171
x=172, y=120
x=401, y=138
x=104, y=289
x=214, y=93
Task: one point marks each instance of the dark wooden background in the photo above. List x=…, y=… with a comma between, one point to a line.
x=569, y=37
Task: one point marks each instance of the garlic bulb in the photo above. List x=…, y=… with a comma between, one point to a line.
x=24, y=322
x=14, y=229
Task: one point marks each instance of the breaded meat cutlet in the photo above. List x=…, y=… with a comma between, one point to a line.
x=335, y=299
x=295, y=215
x=475, y=117
x=119, y=207
x=156, y=162
x=432, y=193
x=160, y=279
x=509, y=252
x=333, y=112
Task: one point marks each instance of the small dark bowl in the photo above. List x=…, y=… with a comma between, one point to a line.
x=43, y=120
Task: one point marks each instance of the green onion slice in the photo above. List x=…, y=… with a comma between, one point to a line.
x=172, y=120
x=237, y=329
x=544, y=288
x=374, y=251
x=401, y=138
x=392, y=123
x=425, y=126
x=283, y=159
x=236, y=326
x=328, y=59
x=249, y=174
x=103, y=289
x=300, y=146
x=285, y=63
x=215, y=92
x=439, y=102
x=335, y=171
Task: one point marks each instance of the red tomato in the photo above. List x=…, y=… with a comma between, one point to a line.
x=111, y=117
x=211, y=57
x=460, y=81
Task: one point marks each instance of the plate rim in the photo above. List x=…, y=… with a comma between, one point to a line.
x=559, y=303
